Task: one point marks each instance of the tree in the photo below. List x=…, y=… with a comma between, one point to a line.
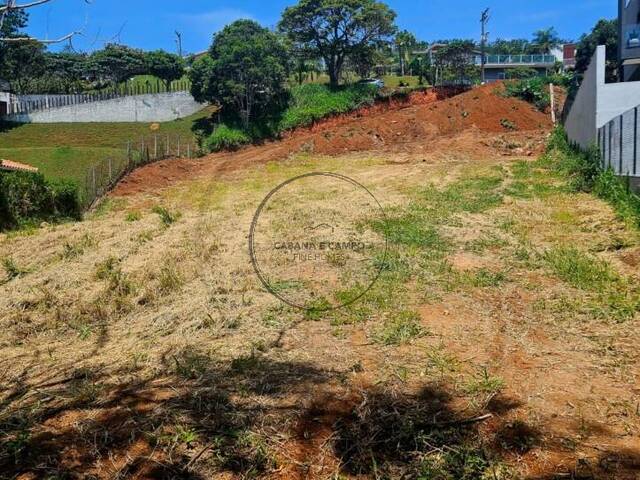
x=116, y=63
x=22, y=62
x=166, y=66
x=245, y=71
x=455, y=61
x=405, y=41
x=605, y=32
x=337, y=29
x=518, y=46
x=65, y=72
x=546, y=40
x=200, y=74
x=13, y=22
x=363, y=61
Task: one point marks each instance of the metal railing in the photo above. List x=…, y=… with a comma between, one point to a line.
x=517, y=59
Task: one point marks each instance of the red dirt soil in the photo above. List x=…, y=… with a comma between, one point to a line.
x=423, y=118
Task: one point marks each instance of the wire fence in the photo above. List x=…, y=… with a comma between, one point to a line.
x=32, y=103
x=105, y=174
x=619, y=144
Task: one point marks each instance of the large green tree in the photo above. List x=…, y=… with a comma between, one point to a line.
x=245, y=71
x=605, y=32
x=518, y=46
x=65, y=72
x=13, y=22
x=116, y=63
x=455, y=62
x=545, y=40
x=21, y=63
x=334, y=30
x=168, y=67
x=405, y=43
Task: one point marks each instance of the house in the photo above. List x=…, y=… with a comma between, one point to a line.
x=497, y=66
x=569, y=51
x=629, y=35
x=11, y=166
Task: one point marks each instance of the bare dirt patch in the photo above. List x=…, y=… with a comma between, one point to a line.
x=424, y=122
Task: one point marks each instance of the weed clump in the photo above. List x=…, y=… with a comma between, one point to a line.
x=402, y=328
x=167, y=217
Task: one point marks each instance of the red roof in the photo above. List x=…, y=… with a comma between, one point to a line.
x=12, y=166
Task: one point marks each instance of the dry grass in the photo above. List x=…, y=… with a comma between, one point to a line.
x=142, y=344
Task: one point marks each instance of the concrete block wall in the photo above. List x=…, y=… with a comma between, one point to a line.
x=597, y=102
x=160, y=107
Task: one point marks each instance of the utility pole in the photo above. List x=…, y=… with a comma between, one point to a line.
x=179, y=43
x=484, y=19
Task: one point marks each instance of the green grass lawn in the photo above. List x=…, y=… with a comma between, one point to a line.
x=393, y=81
x=70, y=163
x=67, y=150
x=113, y=135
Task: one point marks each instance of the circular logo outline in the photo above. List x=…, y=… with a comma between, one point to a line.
x=254, y=222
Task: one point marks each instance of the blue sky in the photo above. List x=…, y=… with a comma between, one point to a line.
x=150, y=24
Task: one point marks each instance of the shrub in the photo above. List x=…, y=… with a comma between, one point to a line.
x=312, y=102
x=166, y=217
x=521, y=72
x=66, y=199
x=28, y=197
x=226, y=138
x=532, y=90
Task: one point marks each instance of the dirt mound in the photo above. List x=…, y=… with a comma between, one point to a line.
x=486, y=108
x=422, y=119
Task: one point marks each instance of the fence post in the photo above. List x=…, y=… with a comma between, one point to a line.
x=189, y=150
x=178, y=146
x=635, y=141
x=621, y=144
x=167, y=151
x=142, y=148
x=110, y=171
x=609, y=162
x=155, y=146
x=95, y=191
x=553, y=104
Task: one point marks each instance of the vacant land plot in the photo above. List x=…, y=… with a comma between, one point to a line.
x=499, y=343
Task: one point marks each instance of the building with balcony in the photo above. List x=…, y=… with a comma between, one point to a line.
x=497, y=66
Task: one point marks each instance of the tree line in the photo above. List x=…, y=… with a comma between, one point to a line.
x=30, y=68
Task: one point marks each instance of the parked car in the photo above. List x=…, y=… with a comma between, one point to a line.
x=373, y=81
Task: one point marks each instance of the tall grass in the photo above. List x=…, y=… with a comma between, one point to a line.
x=586, y=174
x=308, y=103
x=312, y=102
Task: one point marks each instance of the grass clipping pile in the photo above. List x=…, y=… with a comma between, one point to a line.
x=500, y=341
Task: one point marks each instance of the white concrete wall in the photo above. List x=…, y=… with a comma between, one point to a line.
x=580, y=123
x=598, y=102
x=161, y=107
x=616, y=98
